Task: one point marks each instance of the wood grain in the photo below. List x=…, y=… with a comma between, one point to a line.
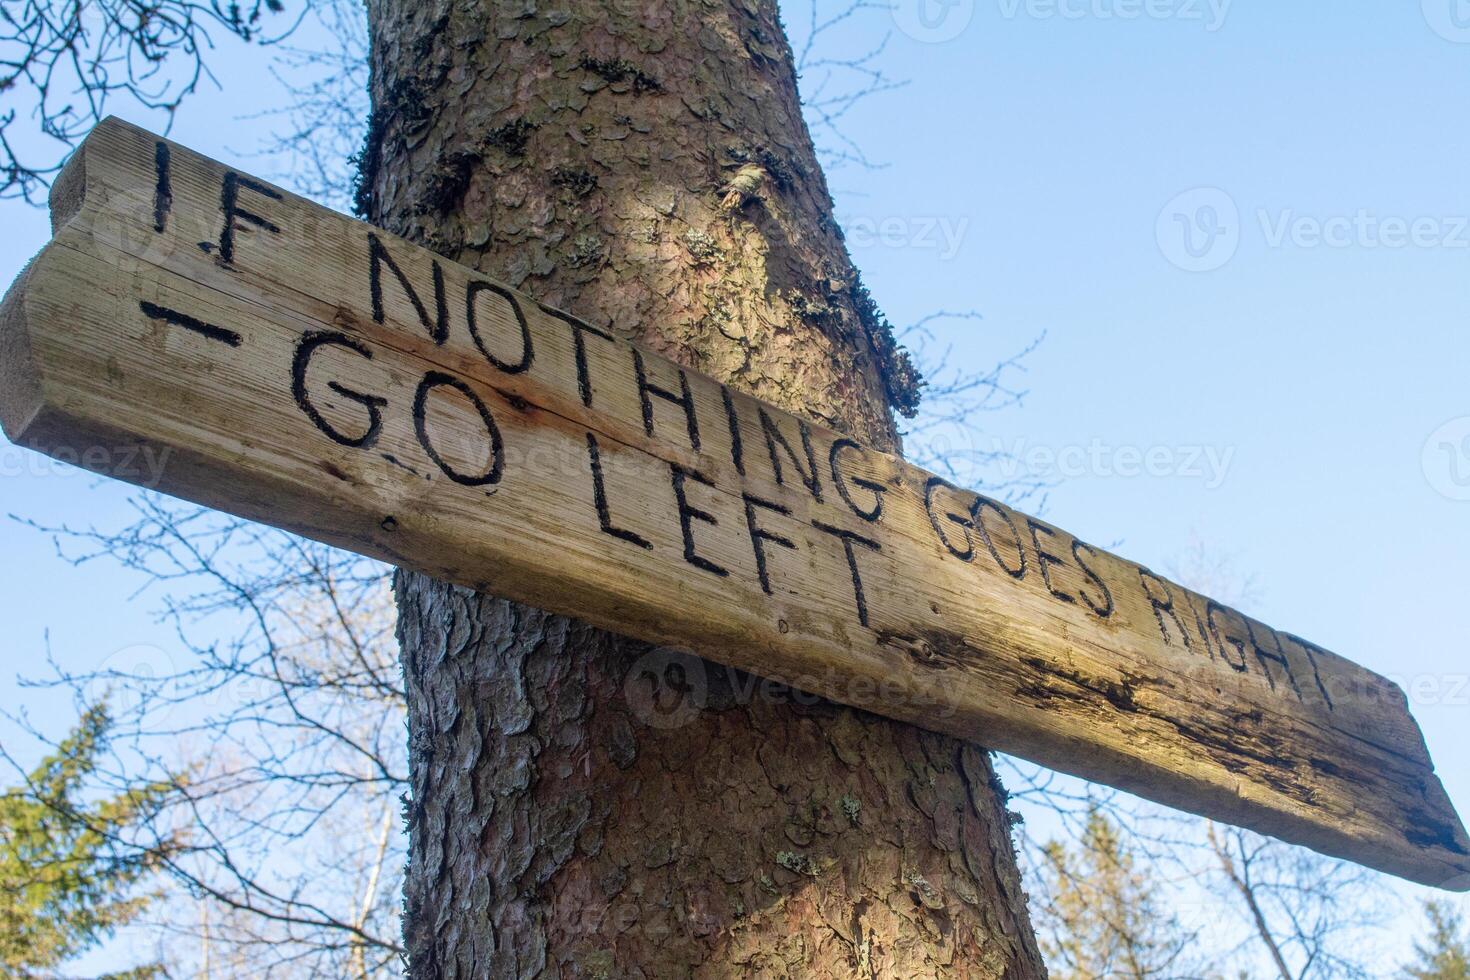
x=296, y=367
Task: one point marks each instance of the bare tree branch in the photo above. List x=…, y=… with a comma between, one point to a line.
x=63, y=62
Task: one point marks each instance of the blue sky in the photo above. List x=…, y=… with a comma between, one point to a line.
x=1288, y=383
x=1319, y=343
x=1316, y=368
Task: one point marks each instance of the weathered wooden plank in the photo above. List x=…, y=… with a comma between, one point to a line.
x=306, y=370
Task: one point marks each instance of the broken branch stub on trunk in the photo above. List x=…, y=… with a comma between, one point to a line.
x=296, y=367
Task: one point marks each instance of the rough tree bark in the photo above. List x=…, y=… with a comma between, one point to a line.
x=645, y=166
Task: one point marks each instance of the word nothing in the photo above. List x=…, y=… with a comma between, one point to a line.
x=747, y=446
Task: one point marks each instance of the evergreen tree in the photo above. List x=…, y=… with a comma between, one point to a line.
x=1104, y=917
x=67, y=874
x=1446, y=954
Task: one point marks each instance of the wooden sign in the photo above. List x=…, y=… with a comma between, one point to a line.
x=290, y=365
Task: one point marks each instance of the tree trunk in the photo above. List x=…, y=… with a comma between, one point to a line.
x=644, y=165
